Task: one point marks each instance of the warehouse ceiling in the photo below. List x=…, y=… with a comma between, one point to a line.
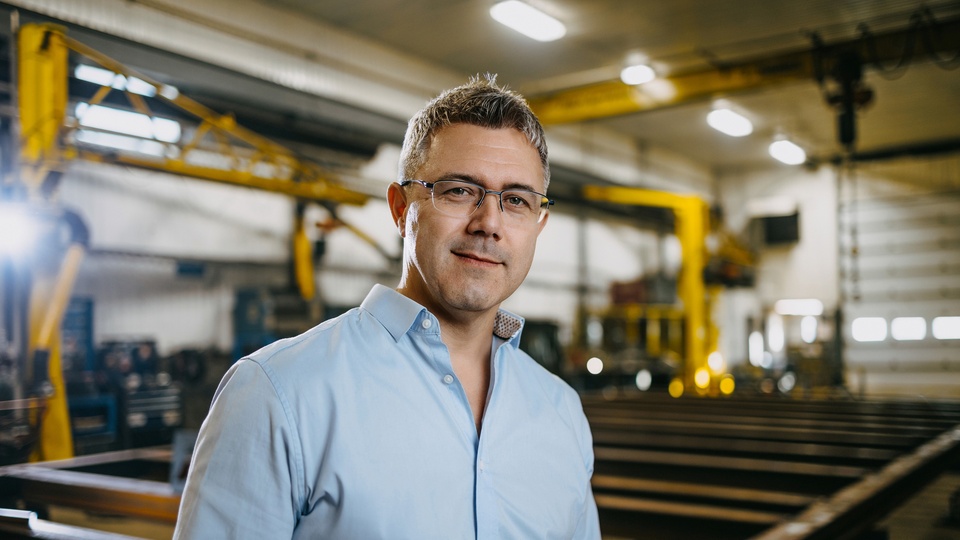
x=913, y=108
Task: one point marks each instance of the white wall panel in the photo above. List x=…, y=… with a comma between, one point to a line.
x=807, y=269
x=146, y=212
x=902, y=261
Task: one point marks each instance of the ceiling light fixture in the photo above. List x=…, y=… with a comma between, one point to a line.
x=729, y=122
x=787, y=152
x=639, y=74
x=528, y=20
x=636, y=71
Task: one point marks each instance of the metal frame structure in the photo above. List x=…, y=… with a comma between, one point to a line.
x=47, y=143
x=692, y=225
x=763, y=468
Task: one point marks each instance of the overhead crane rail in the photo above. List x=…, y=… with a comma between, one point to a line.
x=252, y=160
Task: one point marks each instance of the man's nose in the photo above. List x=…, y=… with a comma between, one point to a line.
x=488, y=217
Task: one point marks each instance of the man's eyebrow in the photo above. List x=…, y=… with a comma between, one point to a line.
x=473, y=179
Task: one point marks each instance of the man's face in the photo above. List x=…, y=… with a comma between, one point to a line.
x=454, y=265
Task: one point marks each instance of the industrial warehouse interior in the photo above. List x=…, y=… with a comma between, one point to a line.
x=750, y=274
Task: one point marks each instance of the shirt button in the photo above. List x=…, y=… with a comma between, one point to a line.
x=447, y=379
x=427, y=323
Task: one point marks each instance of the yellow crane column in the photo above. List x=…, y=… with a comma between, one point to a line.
x=692, y=221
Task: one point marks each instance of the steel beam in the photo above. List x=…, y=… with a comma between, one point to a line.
x=614, y=98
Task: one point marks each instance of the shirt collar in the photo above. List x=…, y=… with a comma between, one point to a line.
x=398, y=314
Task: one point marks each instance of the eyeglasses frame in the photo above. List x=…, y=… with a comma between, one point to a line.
x=544, y=206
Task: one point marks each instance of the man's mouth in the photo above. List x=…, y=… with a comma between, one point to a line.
x=476, y=257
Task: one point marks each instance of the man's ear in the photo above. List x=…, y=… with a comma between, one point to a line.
x=397, y=199
x=543, y=223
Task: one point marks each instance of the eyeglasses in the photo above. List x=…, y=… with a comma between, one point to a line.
x=459, y=198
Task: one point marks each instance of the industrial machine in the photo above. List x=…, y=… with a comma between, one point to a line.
x=659, y=331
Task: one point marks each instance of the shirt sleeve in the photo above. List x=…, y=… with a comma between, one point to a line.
x=589, y=526
x=241, y=482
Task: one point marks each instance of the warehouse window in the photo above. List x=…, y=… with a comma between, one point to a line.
x=908, y=328
x=869, y=329
x=946, y=328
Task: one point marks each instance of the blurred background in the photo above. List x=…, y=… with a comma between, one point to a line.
x=751, y=273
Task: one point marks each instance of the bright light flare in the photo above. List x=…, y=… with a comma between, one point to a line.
x=528, y=20
x=716, y=362
x=727, y=385
x=701, y=378
x=644, y=379
x=787, y=382
x=755, y=348
x=18, y=230
x=676, y=388
x=594, y=365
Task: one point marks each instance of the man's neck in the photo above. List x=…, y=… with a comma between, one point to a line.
x=468, y=336
x=469, y=344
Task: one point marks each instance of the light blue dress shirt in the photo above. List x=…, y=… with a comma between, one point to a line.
x=360, y=429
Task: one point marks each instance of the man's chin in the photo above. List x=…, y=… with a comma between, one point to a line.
x=474, y=302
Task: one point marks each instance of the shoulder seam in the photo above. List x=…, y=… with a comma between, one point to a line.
x=294, y=431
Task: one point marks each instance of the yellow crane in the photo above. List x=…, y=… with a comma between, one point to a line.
x=47, y=143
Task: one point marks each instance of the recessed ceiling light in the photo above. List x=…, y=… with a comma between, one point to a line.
x=728, y=122
x=528, y=20
x=637, y=74
x=787, y=152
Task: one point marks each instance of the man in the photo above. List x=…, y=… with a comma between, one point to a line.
x=414, y=415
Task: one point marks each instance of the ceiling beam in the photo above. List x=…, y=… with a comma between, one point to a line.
x=915, y=43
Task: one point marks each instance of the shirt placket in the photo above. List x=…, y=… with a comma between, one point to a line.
x=486, y=494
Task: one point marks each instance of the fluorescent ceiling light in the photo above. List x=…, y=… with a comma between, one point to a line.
x=729, y=122
x=128, y=123
x=528, y=20
x=637, y=74
x=803, y=306
x=786, y=152
x=105, y=77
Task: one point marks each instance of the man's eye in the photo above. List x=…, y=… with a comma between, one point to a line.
x=457, y=190
x=516, y=200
